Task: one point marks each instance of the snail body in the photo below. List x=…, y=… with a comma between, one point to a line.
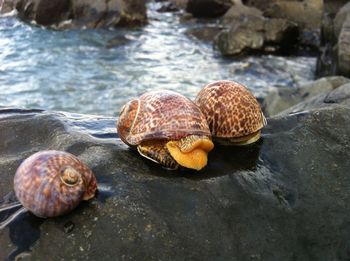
x=52, y=183
x=233, y=114
x=166, y=128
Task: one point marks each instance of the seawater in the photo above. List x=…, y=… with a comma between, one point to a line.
x=97, y=71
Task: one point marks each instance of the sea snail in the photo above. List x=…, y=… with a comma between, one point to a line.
x=234, y=115
x=52, y=183
x=166, y=128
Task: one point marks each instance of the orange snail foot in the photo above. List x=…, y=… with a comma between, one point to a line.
x=191, y=151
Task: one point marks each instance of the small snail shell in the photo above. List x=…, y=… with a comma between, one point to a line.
x=233, y=113
x=52, y=183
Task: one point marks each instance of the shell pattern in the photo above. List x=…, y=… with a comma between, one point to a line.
x=52, y=183
x=230, y=109
x=160, y=115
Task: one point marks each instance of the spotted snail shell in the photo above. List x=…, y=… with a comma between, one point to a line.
x=232, y=112
x=52, y=183
x=169, y=116
x=160, y=115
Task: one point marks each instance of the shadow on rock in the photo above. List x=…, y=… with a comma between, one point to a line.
x=222, y=160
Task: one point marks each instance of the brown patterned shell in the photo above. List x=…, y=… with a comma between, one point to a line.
x=160, y=115
x=52, y=183
x=231, y=109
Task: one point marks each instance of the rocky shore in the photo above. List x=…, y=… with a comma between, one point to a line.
x=236, y=27
x=285, y=197
x=65, y=14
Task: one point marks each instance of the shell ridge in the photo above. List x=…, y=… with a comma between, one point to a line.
x=136, y=116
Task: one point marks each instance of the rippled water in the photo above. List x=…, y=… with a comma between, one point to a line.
x=97, y=71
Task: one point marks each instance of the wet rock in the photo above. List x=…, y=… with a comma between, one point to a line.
x=307, y=14
x=258, y=34
x=333, y=98
x=332, y=7
x=250, y=203
x=208, y=8
x=335, y=39
x=90, y=14
x=344, y=47
x=239, y=12
x=205, y=33
x=280, y=99
x=7, y=6
x=179, y=3
x=168, y=7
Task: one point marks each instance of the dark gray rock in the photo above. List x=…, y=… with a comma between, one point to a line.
x=344, y=47
x=284, y=198
x=281, y=99
x=179, y=3
x=77, y=13
x=335, y=39
x=307, y=14
x=7, y=6
x=204, y=33
x=43, y=12
x=168, y=7
x=208, y=8
x=332, y=6
x=258, y=34
x=239, y=12
x=333, y=98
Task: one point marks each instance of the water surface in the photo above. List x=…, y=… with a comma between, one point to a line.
x=97, y=71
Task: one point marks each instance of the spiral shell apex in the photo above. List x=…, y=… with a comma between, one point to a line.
x=52, y=183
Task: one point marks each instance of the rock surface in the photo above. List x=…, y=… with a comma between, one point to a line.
x=258, y=34
x=335, y=39
x=7, y=6
x=208, y=8
x=307, y=14
x=281, y=99
x=284, y=198
x=78, y=13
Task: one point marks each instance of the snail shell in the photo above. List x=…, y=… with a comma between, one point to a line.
x=160, y=115
x=52, y=183
x=232, y=112
x=157, y=117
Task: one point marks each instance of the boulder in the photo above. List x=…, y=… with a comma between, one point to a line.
x=250, y=203
x=307, y=14
x=7, y=6
x=179, y=3
x=333, y=98
x=204, y=33
x=239, y=12
x=280, y=99
x=344, y=47
x=168, y=7
x=258, y=34
x=208, y=8
x=335, y=39
x=331, y=7
x=91, y=14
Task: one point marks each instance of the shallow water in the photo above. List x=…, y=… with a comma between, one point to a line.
x=97, y=71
